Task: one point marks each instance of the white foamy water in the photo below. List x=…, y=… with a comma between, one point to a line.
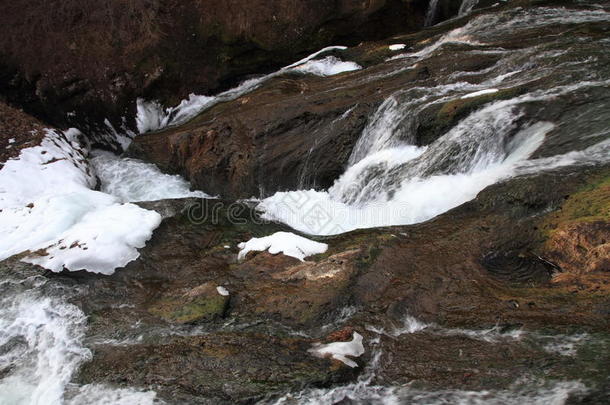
x=41, y=349
x=365, y=394
x=489, y=27
x=392, y=181
x=328, y=66
x=369, y=195
x=132, y=180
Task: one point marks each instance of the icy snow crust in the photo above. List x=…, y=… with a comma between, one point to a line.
x=48, y=208
x=283, y=242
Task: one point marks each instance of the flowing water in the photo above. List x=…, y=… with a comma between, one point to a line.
x=42, y=334
x=392, y=178
x=41, y=347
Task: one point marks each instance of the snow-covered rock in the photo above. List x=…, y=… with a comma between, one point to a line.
x=283, y=242
x=48, y=207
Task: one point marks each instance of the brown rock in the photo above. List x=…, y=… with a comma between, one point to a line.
x=23, y=130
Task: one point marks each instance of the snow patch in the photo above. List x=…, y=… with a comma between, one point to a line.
x=340, y=350
x=222, y=291
x=48, y=207
x=283, y=242
x=101, y=241
x=397, y=47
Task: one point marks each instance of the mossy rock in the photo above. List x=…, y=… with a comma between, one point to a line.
x=203, y=303
x=590, y=204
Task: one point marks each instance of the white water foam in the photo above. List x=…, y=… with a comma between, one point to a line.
x=41, y=349
x=98, y=394
x=415, y=199
x=486, y=28
x=390, y=182
x=328, y=66
x=362, y=393
x=132, y=180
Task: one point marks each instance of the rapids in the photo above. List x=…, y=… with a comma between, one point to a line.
x=393, y=178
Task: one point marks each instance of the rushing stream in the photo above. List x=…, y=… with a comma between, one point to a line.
x=392, y=179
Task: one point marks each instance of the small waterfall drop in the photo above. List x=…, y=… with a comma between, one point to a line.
x=467, y=6
x=431, y=13
x=396, y=177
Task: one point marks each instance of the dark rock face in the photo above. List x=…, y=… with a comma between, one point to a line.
x=18, y=130
x=95, y=59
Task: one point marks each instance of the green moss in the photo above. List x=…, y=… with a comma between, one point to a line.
x=181, y=310
x=590, y=204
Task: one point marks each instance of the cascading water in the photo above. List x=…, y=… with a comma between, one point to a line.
x=431, y=13
x=152, y=116
x=392, y=180
x=467, y=6
x=41, y=347
x=41, y=333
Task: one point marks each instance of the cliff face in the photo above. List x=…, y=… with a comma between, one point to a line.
x=95, y=58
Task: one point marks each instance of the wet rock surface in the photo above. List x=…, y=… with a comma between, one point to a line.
x=503, y=292
x=160, y=323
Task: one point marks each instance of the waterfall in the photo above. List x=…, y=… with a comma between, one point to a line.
x=392, y=179
x=431, y=13
x=467, y=6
